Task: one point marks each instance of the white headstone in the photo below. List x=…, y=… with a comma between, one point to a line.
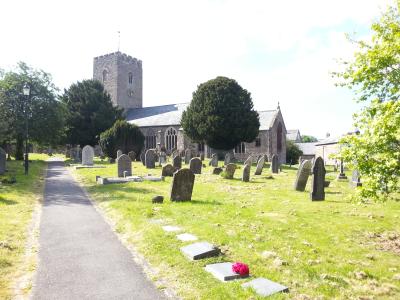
x=87, y=155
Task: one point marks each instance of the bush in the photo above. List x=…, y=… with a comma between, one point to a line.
x=293, y=152
x=121, y=136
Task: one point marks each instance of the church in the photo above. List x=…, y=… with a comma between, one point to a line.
x=122, y=77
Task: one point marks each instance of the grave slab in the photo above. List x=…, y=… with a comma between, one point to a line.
x=186, y=237
x=89, y=167
x=200, y=250
x=223, y=271
x=265, y=287
x=169, y=228
x=111, y=180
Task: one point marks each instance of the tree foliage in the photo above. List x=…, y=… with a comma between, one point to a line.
x=89, y=112
x=121, y=136
x=308, y=139
x=375, y=75
x=293, y=152
x=45, y=115
x=221, y=114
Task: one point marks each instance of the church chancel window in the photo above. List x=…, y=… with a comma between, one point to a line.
x=171, y=139
x=150, y=141
x=241, y=148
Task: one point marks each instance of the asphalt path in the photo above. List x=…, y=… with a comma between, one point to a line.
x=80, y=257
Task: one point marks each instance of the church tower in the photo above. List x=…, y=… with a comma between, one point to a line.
x=122, y=77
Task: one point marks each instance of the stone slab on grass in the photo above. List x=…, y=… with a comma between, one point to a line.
x=265, y=287
x=200, y=250
x=186, y=237
x=111, y=180
x=89, y=167
x=223, y=271
x=169, y=228
x=153, y=178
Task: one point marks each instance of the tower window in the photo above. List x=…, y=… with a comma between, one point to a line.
x=130, y=78
x=105, y=75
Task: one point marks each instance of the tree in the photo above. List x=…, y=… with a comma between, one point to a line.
x=221, y=114
x=293, y=152
x=41, y=109
x=89, y=112
x=308, y=139
x=374, y=74
x=121, y=136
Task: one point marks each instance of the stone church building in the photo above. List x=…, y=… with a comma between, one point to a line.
x=122, y=76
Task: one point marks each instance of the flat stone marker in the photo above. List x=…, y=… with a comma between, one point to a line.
x=200, y=250
x=169, y=228
x=223, y=271
x=186, y=237
x=265, y=287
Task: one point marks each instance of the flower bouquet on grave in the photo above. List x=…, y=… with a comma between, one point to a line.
x=241, y=269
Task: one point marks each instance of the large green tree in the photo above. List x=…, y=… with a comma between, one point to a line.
x=89, y=112
x=221, y=114
x=293, y=152
x=374, y=74
x=43, y=113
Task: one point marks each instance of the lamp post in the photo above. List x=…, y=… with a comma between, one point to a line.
x=26, y=91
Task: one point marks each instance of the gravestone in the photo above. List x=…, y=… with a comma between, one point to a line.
x=188, y=156
x=168, y=170
x=195, y=165
x=200, y=250
x=170, y=228
x=223, y=271
x=202, y=156
x=150, y=159
x=356, y=178
x=342, y=175
x=260, y=165
x=142, y=157
x=302, y=175
x=265, y=287
x=214, y=160
x=87, y=155
x=318, y=180
x=124, y=164
x=246, y=173
x=249, y=160
x=132, y=155
x=119, y=153
x=78, y=154
x=3, y=159
x=275, y=164
x=228, y=159
x=182, y=185
x=177, y=162
x=162, y=159
x=230, y=171
x=98, y=151
x=217, y=171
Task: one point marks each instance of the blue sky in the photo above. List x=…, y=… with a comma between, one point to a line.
x=278, y=50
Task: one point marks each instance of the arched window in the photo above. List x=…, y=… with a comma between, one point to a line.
x=279, y=138
x=200, y=147
x=241, y=148
x=130, y=78
x=105, y=73
x=150, y=140
x=171, y=139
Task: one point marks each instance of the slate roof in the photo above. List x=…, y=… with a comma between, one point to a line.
x=169, y=115
x=292, y=134
x=327, y=141
x=307, y=148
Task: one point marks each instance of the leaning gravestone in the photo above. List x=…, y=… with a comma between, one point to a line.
x=260, y=165
x=150, y=159
x=275, y=164
x=214, y=160
x=249, y=161
x=119, y=153
x=318, y=180
x=132, y=155
x=356, y=178
x=302, y=175
x=177, y=162
x=182, y=185
x=87, y=155
x=2, y=161
x=188, y=156
x=228, y=159
x=168, y=170
x=124, y=165
x=246, y=173
x=142, y=157
x=230, y=171
x=195, y=165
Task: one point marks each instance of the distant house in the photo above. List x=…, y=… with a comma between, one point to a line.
x=308, y=150
x=293, y=135
x=326, y=148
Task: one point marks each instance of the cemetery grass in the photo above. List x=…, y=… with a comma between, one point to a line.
x=17, y=203
x=328, y=249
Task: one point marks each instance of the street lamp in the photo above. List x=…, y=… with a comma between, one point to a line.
x=26, y=91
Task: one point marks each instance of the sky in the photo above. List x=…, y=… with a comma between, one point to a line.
x=280, y=51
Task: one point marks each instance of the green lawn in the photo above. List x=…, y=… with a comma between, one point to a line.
x=330, y=249
x=17, y=202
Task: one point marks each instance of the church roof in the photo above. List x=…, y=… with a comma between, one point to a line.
x=292, y=134
x=169, y=115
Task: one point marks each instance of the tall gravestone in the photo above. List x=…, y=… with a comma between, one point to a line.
x=214, y=160
x=356, y=178
x=195, y=165
x=150, y=159
x=182, y=185
x=124, y=164
x=342, y=175
x=188, y=156
x=260, y=165
x=119, y=153
x=177, y=162
x=228, y=159
x=87, y=155
x=3, y=159
x=162, y=158
x=230, y=171
x=142, y=157
x=246, y=173
x=318, y=180
x=78, y=154
x=132, y=155
x=275, y=164
x=302, y=175
x=249, y=161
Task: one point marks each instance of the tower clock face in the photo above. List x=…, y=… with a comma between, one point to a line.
x=130, y=93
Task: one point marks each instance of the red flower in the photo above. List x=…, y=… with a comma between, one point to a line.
x=240, y=268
